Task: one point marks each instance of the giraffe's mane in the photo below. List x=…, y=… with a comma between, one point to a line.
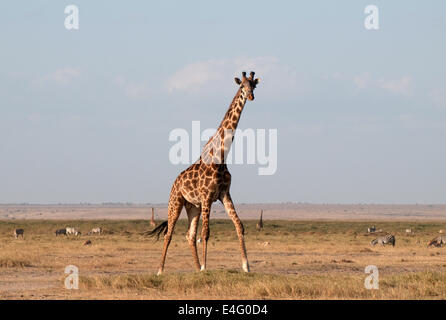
x=234, y=100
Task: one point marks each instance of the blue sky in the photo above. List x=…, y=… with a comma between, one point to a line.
x=85, y=114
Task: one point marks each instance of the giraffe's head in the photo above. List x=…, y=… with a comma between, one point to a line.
x=247, y=84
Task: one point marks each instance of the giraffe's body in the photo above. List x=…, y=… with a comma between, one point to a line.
x=152, y=220
x=207, y=181
x=259, y=225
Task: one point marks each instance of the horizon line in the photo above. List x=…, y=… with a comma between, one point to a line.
x=239, y=203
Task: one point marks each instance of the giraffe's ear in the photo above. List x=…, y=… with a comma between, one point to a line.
x=256, y=81
x=237, y=80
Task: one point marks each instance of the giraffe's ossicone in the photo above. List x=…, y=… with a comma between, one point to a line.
x=206, y=181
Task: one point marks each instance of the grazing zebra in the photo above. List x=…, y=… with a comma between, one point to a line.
x=61, y=231
x=96, y=230
x=18, y=232
x=371, y=230
x=388, y=238
x=437, y=242
x=72, y=231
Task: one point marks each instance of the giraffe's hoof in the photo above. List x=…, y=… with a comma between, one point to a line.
x=160, y=272
x=245, y=267
x=203, y=268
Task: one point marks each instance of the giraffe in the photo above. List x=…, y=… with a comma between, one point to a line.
x=152, y=220
x=206, y=181
x=259, y=225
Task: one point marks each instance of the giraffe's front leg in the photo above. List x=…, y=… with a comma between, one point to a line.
x=206, y=210
x=229, y=206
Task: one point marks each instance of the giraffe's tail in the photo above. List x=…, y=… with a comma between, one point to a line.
x=158, y=230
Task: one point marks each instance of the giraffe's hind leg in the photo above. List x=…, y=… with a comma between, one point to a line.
x=176, y=203
x=229, y=206
x=206, y=210
x=193, y=214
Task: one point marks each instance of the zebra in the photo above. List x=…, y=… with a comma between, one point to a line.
x=72, y=231
x=371, y=230
x=61, y=231
x=96, y=230
x=437, y=242
x=18, y=232
x=388, y=238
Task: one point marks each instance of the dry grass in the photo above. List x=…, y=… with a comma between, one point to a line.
x=305, y=260
x=10, y=262
x=235, y=285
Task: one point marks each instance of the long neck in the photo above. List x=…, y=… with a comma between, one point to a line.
x=232, y=116
x=221, y=141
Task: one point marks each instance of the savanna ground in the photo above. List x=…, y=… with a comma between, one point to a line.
x=304, y=260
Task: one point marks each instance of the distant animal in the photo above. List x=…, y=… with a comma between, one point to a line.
x=387, y=239
x=437, y=242
x=96, y=230
x=87, y=243
x=441, y=231
x=409, y=231
x=18, y=232
x=152, y=221
x=371, y=230
x=61, y=231
x=259, y=225
x=74, y=231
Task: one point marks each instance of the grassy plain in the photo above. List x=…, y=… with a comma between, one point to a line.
x=289, y=260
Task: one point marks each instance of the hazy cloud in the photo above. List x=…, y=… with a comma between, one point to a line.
x=63, y=75
x=211, y=74
x=400, y=86
x=362, y=81
x=134, y=90
x=438, y=97
x=195, y=76
x=59, y=77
